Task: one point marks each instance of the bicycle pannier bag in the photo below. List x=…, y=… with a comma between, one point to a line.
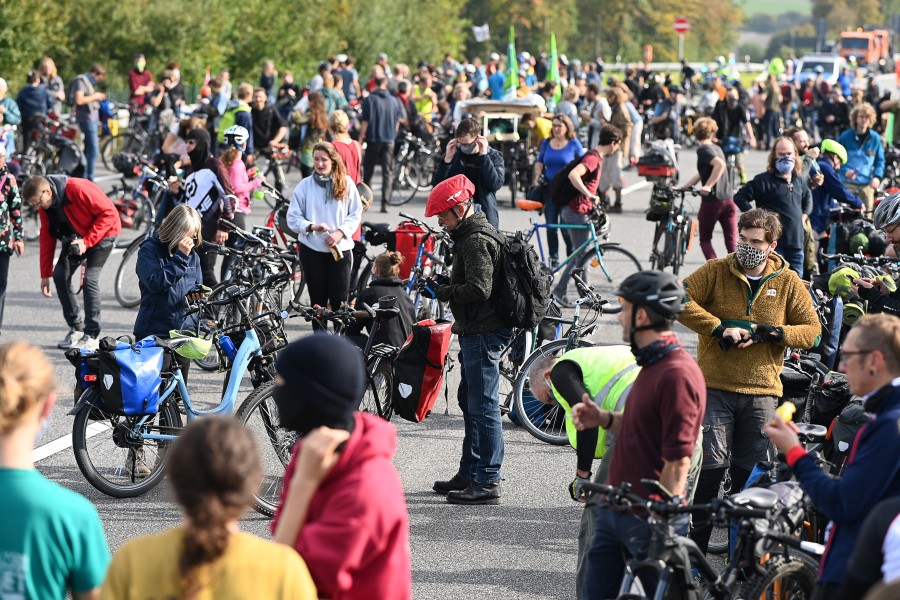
x=419, y=369
x=130, y=376
x=408, y=237
x=522, y=283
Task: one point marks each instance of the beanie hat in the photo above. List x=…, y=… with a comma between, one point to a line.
x=324, y=380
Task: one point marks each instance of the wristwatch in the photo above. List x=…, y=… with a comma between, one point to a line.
x=309, y=229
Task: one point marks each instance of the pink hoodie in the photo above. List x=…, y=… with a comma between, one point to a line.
x=242, y=185
x=355, y=539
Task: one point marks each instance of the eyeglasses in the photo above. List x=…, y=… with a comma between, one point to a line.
x=891, y=230
x=846, y=355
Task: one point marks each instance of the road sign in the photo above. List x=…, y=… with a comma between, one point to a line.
x=681, y=25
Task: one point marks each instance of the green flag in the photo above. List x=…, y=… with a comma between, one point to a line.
x=554, y=69
x=512, y=66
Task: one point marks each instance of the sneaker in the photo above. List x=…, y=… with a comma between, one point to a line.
x=88, y=343
x=135, y=459
x=70, y=340
x=455, y=484
x=477, y=493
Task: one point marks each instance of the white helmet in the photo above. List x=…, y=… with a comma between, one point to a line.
x=237, y=136
x=887, y=212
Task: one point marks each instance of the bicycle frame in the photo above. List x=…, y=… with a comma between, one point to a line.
x=592, y=240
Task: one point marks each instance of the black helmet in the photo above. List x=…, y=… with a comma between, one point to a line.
x=656, y=290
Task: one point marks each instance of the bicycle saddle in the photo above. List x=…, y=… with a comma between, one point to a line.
x=756, y=498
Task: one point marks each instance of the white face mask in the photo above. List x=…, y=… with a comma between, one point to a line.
x=45, y=425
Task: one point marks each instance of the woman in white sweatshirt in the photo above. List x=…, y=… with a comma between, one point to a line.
x=325, y=211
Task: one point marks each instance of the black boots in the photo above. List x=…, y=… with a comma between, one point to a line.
x=477, y=493
x=457, y=483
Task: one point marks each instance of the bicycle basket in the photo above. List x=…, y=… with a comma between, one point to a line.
x=196, y=348
x=126, y=163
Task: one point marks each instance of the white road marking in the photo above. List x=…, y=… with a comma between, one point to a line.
x=65, y=442
x=635, y=187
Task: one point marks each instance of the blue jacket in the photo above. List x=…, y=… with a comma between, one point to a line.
x=164, y=281
x=828, y=195
x=871, y=475
x=865, y=156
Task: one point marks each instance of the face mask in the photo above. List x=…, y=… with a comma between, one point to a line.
x=467, y=148
x=176, y=73
x=784, y=165
x=748, y=256
x=140, y=64
x=732, y=102
x=45, y=425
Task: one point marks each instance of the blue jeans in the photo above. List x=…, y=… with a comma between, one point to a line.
x=551, y=216
x=489, y=208
x=619, y=536
x=794, y=256
x=479, y=388
x=91, y=146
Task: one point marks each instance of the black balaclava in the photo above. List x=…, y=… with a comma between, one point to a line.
x=200, y=154
x=324, y=380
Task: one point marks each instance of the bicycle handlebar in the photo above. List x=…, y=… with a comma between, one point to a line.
x=623, y=497
x=269, y=280
x=422, y=224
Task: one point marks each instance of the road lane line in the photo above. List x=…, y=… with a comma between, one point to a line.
x=635, y=187
x=65, y=442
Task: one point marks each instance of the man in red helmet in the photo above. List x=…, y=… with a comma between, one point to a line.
x=482, y=337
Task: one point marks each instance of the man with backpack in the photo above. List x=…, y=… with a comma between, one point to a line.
x=238, y=112
x=470, y=291
x=84, y=101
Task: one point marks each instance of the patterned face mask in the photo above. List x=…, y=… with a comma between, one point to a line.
x=748, y=256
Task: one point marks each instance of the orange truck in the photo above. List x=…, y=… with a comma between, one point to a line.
x=869, y=48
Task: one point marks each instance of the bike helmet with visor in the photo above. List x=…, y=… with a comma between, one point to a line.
x=448, y=193
x=237, y=136
x=887, y=212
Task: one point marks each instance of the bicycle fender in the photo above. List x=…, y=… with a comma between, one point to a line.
x=84, y=399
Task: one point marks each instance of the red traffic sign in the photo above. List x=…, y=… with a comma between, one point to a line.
x=681, y=25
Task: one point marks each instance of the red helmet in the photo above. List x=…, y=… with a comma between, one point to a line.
x=449, y=193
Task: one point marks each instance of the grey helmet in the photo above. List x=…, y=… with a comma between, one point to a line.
x=888, y=211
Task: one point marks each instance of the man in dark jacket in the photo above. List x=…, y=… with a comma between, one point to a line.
x=469, y=154
x=482, y=337
x=79, y=214
x=382, y=115
x=832, y=191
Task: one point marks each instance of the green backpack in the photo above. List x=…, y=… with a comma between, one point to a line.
x=229, y=118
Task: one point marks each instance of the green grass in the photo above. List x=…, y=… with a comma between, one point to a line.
x=774, y=7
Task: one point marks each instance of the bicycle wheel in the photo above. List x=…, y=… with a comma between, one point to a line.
x=545, y=422
x=377, y=398
x=794, y=577
x=107, y=453
x=656, y=255
x=260, y=415
x=219, y=317
x=31, y=223
x=111, y=146
x=127, y=288
x=618, y=263
x=406, y=183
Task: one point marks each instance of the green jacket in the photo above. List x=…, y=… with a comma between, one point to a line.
x=719, y=294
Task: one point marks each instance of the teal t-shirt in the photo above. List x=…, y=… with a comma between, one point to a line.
x=51, y=539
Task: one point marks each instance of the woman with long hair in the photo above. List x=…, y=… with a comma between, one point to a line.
x=214, y=470
x=51, y=538
x=53, y=82
x=315, y=121
x=325, y=210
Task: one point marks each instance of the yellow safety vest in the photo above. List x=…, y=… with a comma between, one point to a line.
x=608, y=373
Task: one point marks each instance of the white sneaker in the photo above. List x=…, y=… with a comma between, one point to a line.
x=70, y=340
x=91, y=344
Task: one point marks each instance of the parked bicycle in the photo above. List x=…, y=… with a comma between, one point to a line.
x=675, y=229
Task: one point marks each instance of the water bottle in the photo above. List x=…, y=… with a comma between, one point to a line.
x=228, y=348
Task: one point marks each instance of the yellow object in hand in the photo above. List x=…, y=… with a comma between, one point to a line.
x=786, y=411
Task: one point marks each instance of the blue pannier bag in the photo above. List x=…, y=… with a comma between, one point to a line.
x=130, y=376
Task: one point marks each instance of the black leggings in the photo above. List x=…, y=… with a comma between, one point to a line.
x=327, y=281
x=708, y=488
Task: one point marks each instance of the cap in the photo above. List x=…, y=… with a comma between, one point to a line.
x=341, y=57
x=449, y=193
x=495, y=56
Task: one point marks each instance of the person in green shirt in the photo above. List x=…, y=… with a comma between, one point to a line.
x=51, y=539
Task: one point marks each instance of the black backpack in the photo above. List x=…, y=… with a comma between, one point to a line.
x=560, y=188
x=522, y=283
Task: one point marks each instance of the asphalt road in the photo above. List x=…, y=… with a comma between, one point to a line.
x=525, y=548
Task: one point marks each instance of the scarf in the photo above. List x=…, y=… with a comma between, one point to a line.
x=656, y=351
x=325, y=181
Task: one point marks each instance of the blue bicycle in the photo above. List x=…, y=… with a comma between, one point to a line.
x=125, y=456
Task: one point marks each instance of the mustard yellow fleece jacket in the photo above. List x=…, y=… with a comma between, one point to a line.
x=720, y=294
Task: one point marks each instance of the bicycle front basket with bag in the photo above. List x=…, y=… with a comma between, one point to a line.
x=130, y=376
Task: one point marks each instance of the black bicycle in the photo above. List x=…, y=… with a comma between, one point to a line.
x=674, y=228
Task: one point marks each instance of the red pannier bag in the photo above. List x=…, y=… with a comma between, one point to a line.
x=408, y=238
x=419, y=369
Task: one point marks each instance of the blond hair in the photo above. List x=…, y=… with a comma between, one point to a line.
x=181, y=221
x=26, y=379
x=339, y=122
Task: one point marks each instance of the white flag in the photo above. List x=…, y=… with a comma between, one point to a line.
x=482, y=34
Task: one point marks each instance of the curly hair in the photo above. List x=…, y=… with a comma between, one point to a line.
x=338, y=169
x=214, y=470
x=705, y=128
x=762, y=219
x=865, y=109
x=770, y=164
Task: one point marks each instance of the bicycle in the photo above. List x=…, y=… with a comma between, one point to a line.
x=107, y=445
x=547, y=422
x=674, y=229
x=428, y=264
x=276, y=159
x=768, y=561
x=604, y=262
x=407, y=173
x=732, y=148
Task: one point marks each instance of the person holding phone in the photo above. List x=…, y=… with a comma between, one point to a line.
x=11, y=233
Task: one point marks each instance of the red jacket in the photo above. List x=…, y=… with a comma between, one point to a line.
x=91, y=213
x=355, y=539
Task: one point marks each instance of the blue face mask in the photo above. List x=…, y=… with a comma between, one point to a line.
x=784, y=165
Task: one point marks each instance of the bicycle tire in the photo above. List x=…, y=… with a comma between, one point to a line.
x=619, y=264
x=377, y=398
x=111, y=146
x=546, y=423
x=274, y=444
x=127, y=288
x=406, y=183
x=104, y=468
x=680, y=250
x=797, y=574
x=223, y=317
x=513, y=186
